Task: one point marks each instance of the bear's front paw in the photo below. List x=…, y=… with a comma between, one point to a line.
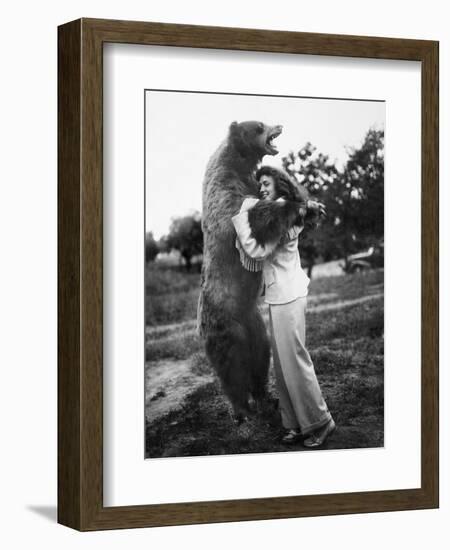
x=316, y=207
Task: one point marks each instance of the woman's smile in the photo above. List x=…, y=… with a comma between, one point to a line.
x=267, y=189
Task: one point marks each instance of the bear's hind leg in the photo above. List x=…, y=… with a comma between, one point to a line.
x=228, y=353
x=259, y=359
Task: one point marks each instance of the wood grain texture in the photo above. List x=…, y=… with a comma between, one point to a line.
x=91, y=266
x=80, y=242
x=69, y=245
x=430, y=273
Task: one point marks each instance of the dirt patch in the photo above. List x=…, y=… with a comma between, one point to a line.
x=168, y=384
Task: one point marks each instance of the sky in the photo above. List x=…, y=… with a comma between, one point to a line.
x=183, y=129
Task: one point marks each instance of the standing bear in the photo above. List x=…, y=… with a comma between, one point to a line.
x=229, y=320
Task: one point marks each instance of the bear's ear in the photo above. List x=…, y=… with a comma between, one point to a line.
x=234, y=128
x=237, y=138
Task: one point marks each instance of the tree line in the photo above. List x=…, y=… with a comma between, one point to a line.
x=353, y=195
x=185, y=236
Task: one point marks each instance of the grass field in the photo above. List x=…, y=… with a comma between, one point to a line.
x=186, y=412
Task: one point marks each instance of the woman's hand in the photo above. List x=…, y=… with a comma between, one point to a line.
x=317, y=207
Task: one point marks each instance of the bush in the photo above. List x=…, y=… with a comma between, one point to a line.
x=171, y=295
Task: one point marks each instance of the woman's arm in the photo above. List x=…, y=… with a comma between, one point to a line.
x=250, y=246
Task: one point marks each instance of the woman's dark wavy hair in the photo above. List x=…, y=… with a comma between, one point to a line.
x=285, y=186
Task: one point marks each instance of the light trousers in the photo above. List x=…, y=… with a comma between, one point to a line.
x=302, y=405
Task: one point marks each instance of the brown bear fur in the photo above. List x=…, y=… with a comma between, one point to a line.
x=230, y=323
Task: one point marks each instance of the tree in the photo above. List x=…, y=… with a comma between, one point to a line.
x=353, y=196
x=314, y=171
x=311, y=169
x=151, y=247
x=365, y=174
x=356, y=198
x=186, y=236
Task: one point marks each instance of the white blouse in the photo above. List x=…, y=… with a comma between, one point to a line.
x=284, y=277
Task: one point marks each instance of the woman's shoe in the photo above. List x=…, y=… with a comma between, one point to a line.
x=319, y=437
x=291, y=436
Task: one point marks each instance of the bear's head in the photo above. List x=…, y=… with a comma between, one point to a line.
x=253, y=139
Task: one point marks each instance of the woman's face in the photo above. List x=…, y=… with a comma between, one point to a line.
x=267, y=189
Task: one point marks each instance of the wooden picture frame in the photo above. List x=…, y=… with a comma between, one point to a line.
x=80, y=272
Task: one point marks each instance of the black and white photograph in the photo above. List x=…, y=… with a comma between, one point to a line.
x=225, y=262
x=264, y=273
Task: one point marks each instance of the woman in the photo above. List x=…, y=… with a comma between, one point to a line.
x=304, y=412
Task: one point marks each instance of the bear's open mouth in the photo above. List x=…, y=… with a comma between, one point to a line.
x=273, y=134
